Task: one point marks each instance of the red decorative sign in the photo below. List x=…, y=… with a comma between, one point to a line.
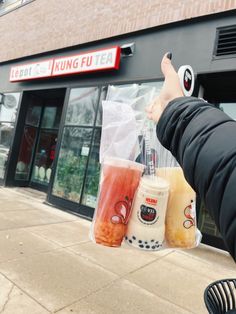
x=103, y=59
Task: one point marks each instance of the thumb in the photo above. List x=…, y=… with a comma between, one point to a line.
x=166, y=65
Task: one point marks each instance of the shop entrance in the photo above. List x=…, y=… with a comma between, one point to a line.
x=40, y=119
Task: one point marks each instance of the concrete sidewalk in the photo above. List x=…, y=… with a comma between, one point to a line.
x=48, y=265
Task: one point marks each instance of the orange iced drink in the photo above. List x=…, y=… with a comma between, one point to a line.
x=119, y=181
x=180, y=230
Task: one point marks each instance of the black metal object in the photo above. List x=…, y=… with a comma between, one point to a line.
x=220, y=297
x=225, y=43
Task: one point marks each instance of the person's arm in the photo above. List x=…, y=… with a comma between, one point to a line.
x=203, y=140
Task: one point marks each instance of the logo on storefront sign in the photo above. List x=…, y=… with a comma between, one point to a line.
x=103, y=59
x=31, y=71
x=187, y=80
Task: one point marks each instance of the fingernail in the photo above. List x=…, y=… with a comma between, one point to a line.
x=169, y=55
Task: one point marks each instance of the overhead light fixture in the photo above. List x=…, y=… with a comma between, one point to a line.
x=127, y=50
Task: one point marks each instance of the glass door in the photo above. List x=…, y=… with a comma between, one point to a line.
x=45, y=148
x=28, y=143
x=38, y=143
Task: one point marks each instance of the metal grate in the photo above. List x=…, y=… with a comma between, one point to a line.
x=225, y=41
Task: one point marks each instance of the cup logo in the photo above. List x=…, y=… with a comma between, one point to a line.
x=189, y=213
x=147, y=215
x=123, y=211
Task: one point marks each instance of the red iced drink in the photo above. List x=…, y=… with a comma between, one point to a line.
x=119, y=181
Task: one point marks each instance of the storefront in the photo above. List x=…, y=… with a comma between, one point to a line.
x=51, y=114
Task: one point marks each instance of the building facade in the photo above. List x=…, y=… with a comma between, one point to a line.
x=60, y=59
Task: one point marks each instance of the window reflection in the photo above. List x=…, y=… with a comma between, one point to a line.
x=44, y=157
x=8, y=5
x=51, y=117
x=82, y=106
x=93, y=173
x=25, y=155
x=8, y=107
x=33, y=115
x=72, y=163
x=99, y=113
x=6, y=134
x=8, y=113
x=229, y=109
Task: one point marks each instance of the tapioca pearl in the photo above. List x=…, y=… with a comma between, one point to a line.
x=133, y=237
x=130, y=241
x=145, y=242
x=152, y=240
x=153, y=247
x=147, y=246
x=126, y=238
x=141, y=246
x=140, y=241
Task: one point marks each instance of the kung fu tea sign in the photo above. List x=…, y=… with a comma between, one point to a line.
x=99, y=60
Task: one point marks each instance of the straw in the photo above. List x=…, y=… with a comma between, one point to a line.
x=149, y=156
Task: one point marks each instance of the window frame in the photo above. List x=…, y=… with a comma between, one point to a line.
x=5, y=10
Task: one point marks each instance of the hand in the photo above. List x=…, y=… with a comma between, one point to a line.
x=171, y=89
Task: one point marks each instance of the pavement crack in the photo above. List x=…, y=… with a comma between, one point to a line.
x=7, y=299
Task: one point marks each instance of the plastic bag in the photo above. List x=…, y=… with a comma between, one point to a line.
x=156, y=210
x=163, y=212
x=119, y=131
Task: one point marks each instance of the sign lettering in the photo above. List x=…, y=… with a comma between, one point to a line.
x=103, y=59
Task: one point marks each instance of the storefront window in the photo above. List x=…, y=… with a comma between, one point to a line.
x=33, y=115
x=9, y=5
x=76, y=143
x=99, y=113
x=72, y=163
x=51, y=118
x=82, y=106
x=93, y=172
x=229, y=109
x=8, y=112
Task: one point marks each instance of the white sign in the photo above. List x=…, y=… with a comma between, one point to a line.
x=103, y=59
x=85, y=151
x=93, y=61
x=31, y=71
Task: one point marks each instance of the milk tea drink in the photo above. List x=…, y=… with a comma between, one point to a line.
x=118, y=183
x=180, y=216
x=146, y=228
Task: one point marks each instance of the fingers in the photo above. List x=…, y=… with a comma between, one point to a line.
x=166, y=65
x=154, y=110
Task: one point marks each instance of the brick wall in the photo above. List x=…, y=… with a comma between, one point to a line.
x=45, y=25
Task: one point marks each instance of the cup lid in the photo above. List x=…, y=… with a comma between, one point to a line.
x=154, y=182
x=119, y=162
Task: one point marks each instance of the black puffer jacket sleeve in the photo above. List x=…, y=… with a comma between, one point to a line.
x=203, y=140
